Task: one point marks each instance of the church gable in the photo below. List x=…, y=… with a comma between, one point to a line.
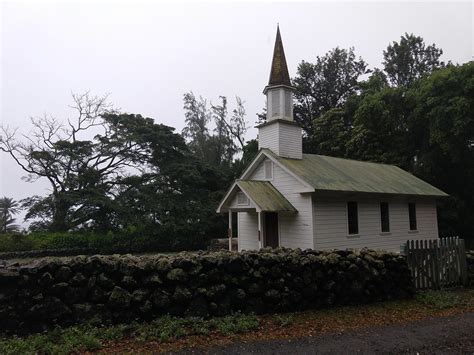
x=269, y=170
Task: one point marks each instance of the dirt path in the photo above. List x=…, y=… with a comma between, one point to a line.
x=447, y=335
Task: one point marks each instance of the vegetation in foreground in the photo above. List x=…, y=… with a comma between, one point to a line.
x=90, y=337
x=166, y=333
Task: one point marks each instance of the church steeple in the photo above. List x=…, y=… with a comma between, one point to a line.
x=279, y=72
x=280, y=133
x=279, y=89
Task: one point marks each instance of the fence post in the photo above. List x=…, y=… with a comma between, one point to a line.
x=463, y=262
x=436, y=265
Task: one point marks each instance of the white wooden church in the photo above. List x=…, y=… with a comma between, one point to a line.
x=295, y=200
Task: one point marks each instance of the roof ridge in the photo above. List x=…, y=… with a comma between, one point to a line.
x=356, y=160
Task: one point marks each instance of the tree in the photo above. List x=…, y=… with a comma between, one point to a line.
x=325, y=84
x=175, y=201
x=227, y=140
x=407, y=60
x=234, y=127
x=380, y=129
x=331, y=133
x=8, y=208
x=442, y=128
x=83, y=159
x=197, y=117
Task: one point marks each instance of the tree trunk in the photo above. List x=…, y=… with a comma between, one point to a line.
x=61, y=208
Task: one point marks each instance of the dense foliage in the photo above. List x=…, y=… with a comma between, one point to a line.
x=8, y=208
x=131, y=240
x=127, y=179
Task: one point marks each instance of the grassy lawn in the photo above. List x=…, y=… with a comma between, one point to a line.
x=170, y=333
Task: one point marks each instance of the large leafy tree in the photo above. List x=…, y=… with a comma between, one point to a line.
x=380, y=130
x=409, y=59
x=83, y=159
x=175, y=201
x=325, y=84
x=442, y=127
x=334, y=129
x=331, y=132
x=8, y=208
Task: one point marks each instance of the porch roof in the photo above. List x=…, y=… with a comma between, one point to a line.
x=262, y=193
x=265, y=196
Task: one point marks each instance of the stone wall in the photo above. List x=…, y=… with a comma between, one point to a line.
x=115, y=288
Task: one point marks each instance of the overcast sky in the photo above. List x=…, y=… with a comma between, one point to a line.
x=147, y=55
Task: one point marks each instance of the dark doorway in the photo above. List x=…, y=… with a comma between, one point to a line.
x=271, y=229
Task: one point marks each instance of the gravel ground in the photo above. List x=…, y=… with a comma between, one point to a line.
x=449, y=335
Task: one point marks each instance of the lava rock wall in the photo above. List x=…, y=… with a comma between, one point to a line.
x=123, y=288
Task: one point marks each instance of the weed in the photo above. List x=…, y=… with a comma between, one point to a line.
x=284, y=319
x=236, y=323
x=438, y=299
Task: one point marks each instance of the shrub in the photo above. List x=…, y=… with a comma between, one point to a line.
x=128, y=241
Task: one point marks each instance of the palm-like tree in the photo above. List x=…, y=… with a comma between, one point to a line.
x=8, y=208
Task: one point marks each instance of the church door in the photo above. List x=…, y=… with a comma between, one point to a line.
x=271, y=229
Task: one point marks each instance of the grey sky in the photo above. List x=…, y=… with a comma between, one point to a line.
x=147, y=55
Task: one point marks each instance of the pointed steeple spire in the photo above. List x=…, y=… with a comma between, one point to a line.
x=279, y=73
x=280, y=133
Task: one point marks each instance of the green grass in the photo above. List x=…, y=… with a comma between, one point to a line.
x=238, y=323
x=90, y=338
x=439, y=299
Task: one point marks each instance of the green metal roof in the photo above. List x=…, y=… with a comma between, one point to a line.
x=336, y=174
x=264, y=194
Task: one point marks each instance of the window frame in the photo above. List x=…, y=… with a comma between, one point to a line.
x=276, y=102
x=412, y=218
x=268, y=161
x=353, y=233
x=382, y=218
x=247, y=200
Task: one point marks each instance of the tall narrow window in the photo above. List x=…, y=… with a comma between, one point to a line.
x=268, y=166
x=412, y=216
x=275, y=103
x=352, y=217
x=288, y=103
x=384, y=217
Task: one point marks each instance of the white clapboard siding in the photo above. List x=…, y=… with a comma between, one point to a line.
x=330, y=223
x=290, y=142
x=282, y=139
x=268, y=137
x=247, y=227
x=295, y=230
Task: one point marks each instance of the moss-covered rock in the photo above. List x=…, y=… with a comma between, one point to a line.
x=119, y=298
x=178, y=275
